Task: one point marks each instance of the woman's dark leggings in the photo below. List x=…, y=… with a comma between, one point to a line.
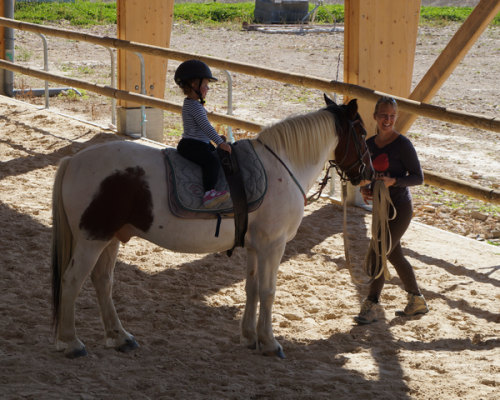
x=201, y=154
x=397, y=227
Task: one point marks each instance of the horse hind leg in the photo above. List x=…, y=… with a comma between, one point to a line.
x=84, y=258
x=249, y=320
x=102, y=279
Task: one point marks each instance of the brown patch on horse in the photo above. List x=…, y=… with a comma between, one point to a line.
x=123, y=197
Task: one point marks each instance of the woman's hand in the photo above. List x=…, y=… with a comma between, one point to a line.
x=225, y=147
x=387, y=181
x=367, y=194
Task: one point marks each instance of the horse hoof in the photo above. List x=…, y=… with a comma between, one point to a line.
x=130, y=344
x=76, y=353
x=252, y=346
x=277, y=353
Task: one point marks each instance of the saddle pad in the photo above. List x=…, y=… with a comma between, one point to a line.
x=185, y=183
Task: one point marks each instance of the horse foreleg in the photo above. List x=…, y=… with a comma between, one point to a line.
x=84, y=259
x=102, y=279
x=268, y=264
x=249, y=321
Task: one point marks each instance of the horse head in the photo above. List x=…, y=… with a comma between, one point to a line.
x=352, y=158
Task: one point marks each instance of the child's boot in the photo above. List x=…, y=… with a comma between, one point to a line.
x=213, y=198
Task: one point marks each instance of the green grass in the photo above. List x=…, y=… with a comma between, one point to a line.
x=83, y=12
x=22, y=53
x=214, y=12
x=445, y=14
x=78, y=13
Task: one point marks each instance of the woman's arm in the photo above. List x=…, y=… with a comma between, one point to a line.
x=410, y=161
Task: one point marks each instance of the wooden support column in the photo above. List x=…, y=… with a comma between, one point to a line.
x=379, y=51
x=147, y=22
x=450, y=57
x=2, y=31
x=2, y=46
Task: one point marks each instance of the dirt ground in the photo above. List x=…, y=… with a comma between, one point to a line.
x=184, y=310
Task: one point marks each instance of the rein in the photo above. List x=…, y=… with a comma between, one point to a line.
x=288, y=170
x=322, y=184
x=342, y=174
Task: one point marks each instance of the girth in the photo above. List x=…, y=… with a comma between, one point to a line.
x=234, y=179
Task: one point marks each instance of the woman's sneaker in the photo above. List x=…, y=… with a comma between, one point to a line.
x=368, y=313
x=213, y=198
x=416, y=305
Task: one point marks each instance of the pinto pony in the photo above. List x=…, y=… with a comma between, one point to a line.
x=112, y=192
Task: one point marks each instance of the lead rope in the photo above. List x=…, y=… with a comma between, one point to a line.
x=380, y=233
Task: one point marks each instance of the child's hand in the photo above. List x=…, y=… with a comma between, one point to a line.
x=223, y=138
x=225, y=147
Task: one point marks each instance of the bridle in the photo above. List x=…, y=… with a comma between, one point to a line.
x=351, y=135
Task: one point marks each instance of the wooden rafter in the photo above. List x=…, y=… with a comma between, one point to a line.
x=454, y=52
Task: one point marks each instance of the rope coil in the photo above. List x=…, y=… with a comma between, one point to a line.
x=381, y=235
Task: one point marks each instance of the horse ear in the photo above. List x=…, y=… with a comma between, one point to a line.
x=352, y=109
x=328, y=101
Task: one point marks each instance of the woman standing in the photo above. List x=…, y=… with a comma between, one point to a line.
x=396, y=163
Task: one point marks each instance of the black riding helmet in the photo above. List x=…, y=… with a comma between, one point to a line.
x=193, y=69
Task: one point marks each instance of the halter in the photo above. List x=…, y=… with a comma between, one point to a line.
x=338, y=166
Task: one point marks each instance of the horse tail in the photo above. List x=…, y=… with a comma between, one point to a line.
x=62, y=242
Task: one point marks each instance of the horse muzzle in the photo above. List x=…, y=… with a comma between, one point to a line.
x=364, y=174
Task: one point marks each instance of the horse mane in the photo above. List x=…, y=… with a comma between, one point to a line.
x=301, y=137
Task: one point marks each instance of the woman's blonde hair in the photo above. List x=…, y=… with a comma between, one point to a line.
x=386, y=100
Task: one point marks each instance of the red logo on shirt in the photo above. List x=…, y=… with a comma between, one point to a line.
x=381, y=163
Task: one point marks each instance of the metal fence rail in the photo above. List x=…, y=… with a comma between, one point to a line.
x=477, y=121
x=128, y=96
x=405, y=105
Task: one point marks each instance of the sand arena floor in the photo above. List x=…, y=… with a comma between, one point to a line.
x=184, y=309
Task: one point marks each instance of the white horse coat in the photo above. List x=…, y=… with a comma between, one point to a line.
x=114, y=191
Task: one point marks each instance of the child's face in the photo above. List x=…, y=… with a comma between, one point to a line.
x=200, y=86
x=204, y=88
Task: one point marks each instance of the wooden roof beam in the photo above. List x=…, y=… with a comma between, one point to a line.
x=454, y=52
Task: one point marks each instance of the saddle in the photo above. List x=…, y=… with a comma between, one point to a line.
x=185, y=186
